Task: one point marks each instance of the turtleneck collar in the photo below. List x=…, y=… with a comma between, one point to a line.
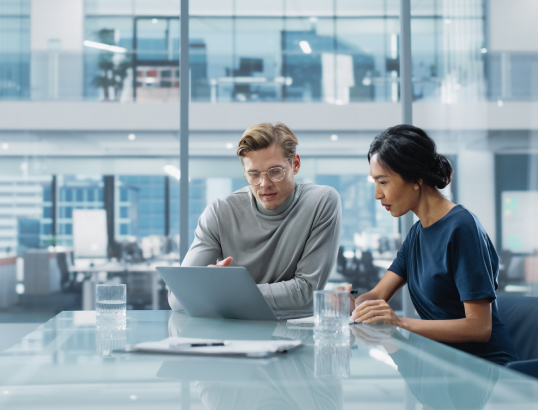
x=281, y=209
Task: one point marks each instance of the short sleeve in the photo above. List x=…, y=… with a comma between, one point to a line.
x=474, y=262
x=399, y=266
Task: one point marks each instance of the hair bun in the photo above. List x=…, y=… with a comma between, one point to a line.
x=444, y=171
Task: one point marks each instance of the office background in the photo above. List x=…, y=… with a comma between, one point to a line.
x=89, y=119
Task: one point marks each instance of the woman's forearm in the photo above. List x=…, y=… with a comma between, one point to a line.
x=372, y=295
x=449, y=331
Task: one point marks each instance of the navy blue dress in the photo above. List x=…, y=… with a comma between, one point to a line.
x=448, y=263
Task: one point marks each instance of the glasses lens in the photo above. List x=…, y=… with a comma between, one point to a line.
x=276, y=174
x=252, y=179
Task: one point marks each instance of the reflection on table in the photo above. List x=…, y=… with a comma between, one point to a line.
x=66, y=363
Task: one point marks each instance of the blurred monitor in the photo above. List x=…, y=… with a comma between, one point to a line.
x=28, y=236
x=520, y=221
x=89, y=233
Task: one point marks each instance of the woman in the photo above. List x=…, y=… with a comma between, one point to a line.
x=447, y=259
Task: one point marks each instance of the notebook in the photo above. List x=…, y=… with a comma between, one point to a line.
x=246, y=348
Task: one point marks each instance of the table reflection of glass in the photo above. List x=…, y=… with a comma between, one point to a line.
x=58, y=366
x=331, y=360
x=111, y=342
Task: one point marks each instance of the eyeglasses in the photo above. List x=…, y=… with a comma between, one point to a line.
x=275, y=174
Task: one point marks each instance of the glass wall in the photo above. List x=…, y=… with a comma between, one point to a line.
x=90, y=116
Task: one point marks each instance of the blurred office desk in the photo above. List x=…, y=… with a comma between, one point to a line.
x=118, y=269
x=68, y=364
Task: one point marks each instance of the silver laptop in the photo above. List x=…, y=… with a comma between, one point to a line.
x=224, y=292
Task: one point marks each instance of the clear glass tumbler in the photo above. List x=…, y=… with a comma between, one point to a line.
x=331, y=316
x=111, y=306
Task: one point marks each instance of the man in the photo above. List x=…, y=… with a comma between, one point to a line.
x=285, y=233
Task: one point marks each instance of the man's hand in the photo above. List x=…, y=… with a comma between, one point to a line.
x=224, y=262
x=373, y=311
x=351, y=298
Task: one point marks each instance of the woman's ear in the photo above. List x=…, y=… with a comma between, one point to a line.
x=418, y=184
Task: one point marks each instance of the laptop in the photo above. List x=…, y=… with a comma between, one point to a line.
x=224, y=292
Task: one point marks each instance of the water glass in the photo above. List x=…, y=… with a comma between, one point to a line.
x=331, y=360
x=331, y=316
x=111, y=304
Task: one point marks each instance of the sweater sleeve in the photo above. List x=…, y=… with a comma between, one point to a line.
x=205, y=249
x=318, y=258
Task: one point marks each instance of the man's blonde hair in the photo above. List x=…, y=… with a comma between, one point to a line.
x=264, y=135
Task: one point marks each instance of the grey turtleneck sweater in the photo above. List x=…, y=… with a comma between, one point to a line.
x=289, y=251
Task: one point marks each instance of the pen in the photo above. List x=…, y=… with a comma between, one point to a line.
x=197, y=344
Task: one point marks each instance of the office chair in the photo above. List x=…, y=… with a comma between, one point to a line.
x=341, y=261
x=369, y=270
x=505, y=259
x=66, y=279
x=518, y=314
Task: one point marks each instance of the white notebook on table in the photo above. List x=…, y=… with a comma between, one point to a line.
x=247, y=348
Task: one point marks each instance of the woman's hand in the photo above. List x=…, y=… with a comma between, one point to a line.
x=374, y=311
x=351, y=298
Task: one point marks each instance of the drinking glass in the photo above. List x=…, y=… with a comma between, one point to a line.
x=331, y=316
x=111, y=306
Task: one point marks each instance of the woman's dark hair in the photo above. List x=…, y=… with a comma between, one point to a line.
x=410, y=152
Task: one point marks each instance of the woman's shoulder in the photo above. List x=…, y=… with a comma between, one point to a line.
x=464, y=223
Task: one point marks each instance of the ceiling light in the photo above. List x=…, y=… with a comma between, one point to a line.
x=349, y=254
x=102, y=46
x=484, y=50
x=447, y=21
x=500, y=103
x=154, y=21
x=334, y=137
x=172, y=171
x=5, y=145
x=305, y=47
x=229, y=145
x=131, y=137
x=370, y=179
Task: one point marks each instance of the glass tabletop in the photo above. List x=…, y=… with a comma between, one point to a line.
x=68, y=364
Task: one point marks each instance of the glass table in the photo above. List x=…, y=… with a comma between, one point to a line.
x=68, y=364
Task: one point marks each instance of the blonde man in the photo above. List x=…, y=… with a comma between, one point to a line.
x=285, y=233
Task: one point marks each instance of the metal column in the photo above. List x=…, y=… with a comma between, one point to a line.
x=184, y=133
x=406, y=99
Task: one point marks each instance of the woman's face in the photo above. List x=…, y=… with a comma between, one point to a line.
x=396, y=195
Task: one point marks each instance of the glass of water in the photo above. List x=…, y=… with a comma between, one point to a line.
x=331, y=316
x=111, y=303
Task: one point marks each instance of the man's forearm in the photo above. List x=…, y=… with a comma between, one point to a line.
x=289, y=294
x=174, y=303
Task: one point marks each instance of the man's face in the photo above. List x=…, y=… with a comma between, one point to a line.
x=271, y=194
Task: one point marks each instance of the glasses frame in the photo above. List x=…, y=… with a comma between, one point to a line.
x=266, y=173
